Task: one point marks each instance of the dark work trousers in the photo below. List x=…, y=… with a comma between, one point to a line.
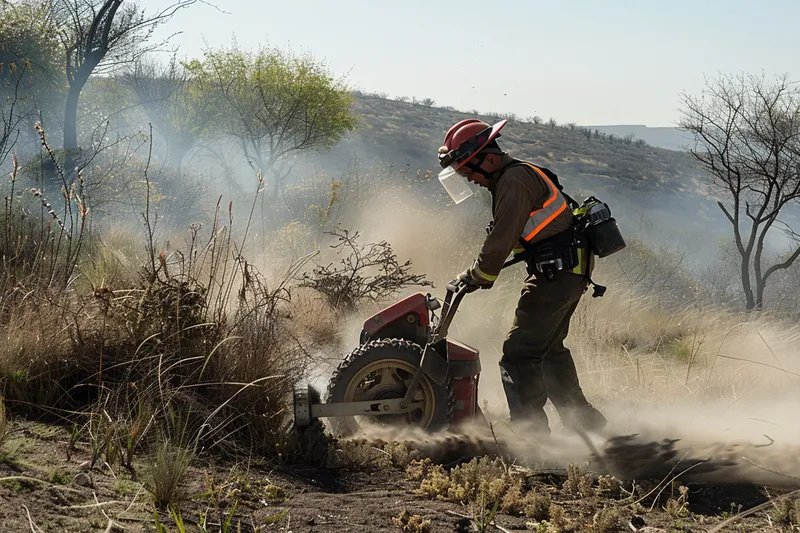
x=536, y=365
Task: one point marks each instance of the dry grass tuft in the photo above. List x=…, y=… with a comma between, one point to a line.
x=165, y=471
x=313, y=320
x=3, y=422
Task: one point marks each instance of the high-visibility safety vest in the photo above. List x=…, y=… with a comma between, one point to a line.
x=555, y=204
x=552, y=207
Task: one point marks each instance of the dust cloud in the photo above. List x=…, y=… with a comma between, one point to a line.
x=726, y=410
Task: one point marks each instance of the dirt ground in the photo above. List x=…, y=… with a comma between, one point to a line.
x=42, y=490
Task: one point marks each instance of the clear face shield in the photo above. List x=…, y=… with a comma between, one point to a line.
x=455, y=184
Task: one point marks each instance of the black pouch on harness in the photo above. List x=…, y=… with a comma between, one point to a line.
x=554, y=254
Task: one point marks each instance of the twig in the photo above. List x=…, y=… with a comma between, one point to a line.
x=771, y=471
x=34, y=527
x=98, y=504
x=652, y=506
x=662, y=481
x=771, y=442
x=759, y=363
x=497, y=445
x=775, y=357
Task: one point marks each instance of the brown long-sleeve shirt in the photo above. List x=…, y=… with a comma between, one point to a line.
x=516, y=192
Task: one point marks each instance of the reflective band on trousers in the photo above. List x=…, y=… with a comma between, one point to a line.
x=553, y=206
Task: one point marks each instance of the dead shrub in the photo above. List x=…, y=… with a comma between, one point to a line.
x=368, y=272
x=605, y=521
x=558, y=518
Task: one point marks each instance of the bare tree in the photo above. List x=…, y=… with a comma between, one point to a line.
x=101, y=35
x=747, y=135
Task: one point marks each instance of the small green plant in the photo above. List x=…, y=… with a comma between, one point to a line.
x=484, y=509
x=58, y=477
x=177, y=517
x=577, y=484
x=677, y=507
x=125, y=487
x=558, y=519
x=274, y=492
x=411, y=523
x=537, y=506
x=74, y=436
x=608, y=486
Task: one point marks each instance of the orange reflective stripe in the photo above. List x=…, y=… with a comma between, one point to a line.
x=548, y=210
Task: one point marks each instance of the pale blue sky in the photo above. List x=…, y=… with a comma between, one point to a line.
x=590, y=62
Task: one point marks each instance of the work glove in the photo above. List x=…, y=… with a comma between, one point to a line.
x=474, y=279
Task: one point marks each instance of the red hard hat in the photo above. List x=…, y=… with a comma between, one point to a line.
x=465, y=139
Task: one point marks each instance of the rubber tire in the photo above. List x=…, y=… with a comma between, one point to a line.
x=376, y=350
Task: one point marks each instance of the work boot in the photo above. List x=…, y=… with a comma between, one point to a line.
x=585, y=418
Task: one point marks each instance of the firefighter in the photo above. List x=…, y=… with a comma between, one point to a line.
x=533, y=219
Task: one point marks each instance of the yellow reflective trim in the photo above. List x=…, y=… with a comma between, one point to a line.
x=579, y=269
x=482, y=274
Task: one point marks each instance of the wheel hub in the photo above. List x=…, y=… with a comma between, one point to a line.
x=389, y=379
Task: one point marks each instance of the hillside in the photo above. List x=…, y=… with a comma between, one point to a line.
x=634, y=177
x=663, y=137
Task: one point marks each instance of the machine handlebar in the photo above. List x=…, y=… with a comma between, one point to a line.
x=456, y=290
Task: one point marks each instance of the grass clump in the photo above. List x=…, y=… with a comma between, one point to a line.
x=165, y=473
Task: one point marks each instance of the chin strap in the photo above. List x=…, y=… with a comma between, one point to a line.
x=476, y=166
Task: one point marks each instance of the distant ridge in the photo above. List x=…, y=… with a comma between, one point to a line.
x=666, y=137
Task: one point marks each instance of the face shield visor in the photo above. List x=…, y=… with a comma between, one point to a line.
x=455, y=184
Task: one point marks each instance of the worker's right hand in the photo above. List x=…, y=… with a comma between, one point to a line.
x=457, y=283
